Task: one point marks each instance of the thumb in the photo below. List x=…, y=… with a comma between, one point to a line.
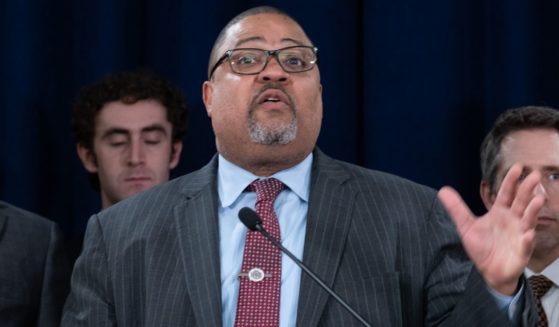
x=458, y=210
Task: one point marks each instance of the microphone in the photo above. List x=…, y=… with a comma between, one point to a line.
x=253, y=222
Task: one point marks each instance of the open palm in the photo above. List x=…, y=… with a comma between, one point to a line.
x=500, y=242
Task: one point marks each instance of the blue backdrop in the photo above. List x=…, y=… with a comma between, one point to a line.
x=410, y=87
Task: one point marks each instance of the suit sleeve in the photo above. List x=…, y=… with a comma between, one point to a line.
x=55, y=282
x=90, y=302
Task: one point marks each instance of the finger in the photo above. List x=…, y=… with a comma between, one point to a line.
x=506, y=192
x=458, y=210
x=530, y=217
x=525, y=193
x=528, y=243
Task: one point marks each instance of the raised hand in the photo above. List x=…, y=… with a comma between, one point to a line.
x=500, y=242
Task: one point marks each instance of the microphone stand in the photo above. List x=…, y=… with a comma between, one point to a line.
x=262, y=231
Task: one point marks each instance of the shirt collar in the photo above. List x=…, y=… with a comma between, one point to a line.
x=551, y=272
x=232, y=180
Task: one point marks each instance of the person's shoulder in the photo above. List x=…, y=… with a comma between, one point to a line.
x=22, y=218
x=381, y=190
x=26, y=230
x=374, y=179
x=381, y=177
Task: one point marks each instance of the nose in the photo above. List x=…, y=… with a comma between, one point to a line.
x=136, y=155
x=540, y=189
x=273, y=71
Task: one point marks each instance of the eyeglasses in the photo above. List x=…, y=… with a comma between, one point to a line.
x=250, y=61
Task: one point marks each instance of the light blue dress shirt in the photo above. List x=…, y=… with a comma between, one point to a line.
x=291, y=207
x=510, y=305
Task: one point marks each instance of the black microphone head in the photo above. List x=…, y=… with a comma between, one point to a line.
x=250, y=218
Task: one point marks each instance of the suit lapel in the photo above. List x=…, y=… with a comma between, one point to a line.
x=197, y=226
x=328, y=222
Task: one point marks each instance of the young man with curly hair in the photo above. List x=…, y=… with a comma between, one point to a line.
x=129, y=128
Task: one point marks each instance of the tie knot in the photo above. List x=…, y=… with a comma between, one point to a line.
x=266, y=189
x=540, y=285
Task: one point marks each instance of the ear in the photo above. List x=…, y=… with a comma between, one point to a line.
x=486, y=195
x=207, y=96
x=175, y=154
x=87, y=157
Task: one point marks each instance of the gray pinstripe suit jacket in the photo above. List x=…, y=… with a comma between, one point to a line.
x=383, y=243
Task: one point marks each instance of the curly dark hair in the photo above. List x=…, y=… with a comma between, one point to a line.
x=129, y=88
x=512, y=120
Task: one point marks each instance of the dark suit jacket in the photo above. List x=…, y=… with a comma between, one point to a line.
x=383, y=243
x=34, y=269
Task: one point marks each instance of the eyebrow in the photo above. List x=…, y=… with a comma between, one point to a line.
x=543, y=168
x=114, y=131
x=154, y=128
x=550, y=168
x=123, y=131
x=261, y=39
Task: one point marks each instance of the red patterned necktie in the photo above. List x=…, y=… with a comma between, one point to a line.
x=259, y=291
x=540, y=285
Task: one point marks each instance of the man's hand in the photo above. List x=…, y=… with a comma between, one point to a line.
x=500, y=242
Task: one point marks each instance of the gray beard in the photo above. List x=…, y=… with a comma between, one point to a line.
x=282, y=134
x=272, y=135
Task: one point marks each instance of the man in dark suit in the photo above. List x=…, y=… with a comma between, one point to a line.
x=530, y=135
x=34, y=269
x=173, y=256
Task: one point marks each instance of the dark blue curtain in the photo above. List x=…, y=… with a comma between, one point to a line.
x=410, y=87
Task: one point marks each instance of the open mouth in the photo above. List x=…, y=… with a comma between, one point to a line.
x=272, y=96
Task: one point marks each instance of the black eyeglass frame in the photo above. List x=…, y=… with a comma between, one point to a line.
x=269, y=53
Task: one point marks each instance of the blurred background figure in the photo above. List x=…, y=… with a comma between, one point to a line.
x=530, y=136
x=34, y=269
x=129, y=128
